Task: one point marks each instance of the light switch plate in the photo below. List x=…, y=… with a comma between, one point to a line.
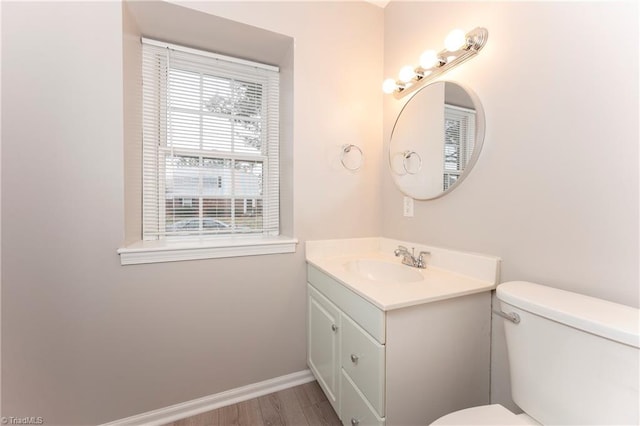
x=408, y=207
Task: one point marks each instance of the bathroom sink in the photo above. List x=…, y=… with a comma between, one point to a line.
x=380, y=270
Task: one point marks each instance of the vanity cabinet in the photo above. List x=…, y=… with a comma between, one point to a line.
x=404, y=366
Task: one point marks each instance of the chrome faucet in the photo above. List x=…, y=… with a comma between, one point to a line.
x=410, y=259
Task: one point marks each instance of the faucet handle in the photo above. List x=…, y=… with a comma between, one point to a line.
x=421, y=262
x=400, y=250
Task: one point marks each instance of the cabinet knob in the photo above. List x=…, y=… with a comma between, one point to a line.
x=354, y=358
x=354, y=421
x=334, y=327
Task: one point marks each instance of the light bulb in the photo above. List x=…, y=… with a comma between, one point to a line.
x=389, y=86
x=406, y=74
x=429, y=59
x=456, y=40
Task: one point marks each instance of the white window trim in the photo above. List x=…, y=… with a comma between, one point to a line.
x=205, y=247
x=159, y=251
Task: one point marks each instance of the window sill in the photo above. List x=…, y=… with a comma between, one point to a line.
x=175, y=251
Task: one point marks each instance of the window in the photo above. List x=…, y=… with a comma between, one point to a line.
x=210, y=144
x=459, y=131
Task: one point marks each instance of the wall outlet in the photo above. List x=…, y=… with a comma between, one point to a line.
x=408, y=207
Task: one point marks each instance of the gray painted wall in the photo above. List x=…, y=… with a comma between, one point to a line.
x=85, y=340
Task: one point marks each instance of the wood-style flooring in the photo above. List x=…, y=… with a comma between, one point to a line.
x=304, y=405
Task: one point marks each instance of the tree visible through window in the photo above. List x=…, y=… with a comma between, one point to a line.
x=210, y=145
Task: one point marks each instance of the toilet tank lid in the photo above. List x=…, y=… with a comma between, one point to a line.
x=596, y=316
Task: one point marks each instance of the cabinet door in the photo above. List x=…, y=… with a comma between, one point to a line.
x=323, y=350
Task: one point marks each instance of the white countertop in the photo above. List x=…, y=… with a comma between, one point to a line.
x=476, y=273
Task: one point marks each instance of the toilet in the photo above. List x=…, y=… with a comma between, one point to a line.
x=573, y=360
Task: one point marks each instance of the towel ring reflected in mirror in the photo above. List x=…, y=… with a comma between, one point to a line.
x=406, y=162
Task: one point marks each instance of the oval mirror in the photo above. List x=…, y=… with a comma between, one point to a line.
x=436, y=140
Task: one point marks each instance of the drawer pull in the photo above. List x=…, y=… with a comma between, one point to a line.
x=334, y=327
x=354, y=358
x=354, y=421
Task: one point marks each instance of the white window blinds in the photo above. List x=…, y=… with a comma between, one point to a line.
x=459, y=134
x=210, y=144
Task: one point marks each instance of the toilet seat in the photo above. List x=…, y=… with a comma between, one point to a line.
x=494, y=414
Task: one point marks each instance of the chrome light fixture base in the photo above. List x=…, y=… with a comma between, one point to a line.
x=474, y=41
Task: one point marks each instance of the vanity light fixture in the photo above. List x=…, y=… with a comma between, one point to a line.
x=458, y=48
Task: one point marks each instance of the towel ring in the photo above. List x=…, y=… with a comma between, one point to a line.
x=346, y=149
x=406, y=156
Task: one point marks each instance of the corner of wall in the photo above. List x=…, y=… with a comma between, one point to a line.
x=132, y=120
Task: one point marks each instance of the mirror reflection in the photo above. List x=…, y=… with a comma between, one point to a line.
x=436, y=140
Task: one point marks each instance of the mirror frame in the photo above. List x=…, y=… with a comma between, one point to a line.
x=479, y=140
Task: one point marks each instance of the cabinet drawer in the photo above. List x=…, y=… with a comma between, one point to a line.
x=363, y=358
x=356, y=411
x=363, y=312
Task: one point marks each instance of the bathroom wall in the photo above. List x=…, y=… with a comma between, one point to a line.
x=337, y=97
x=555, y=190
x=86, y=340
x=554, y=193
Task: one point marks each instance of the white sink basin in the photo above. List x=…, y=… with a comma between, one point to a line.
x=379, y=270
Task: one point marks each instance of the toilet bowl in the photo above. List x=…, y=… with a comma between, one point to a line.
x=495, y=415
x=573, y=359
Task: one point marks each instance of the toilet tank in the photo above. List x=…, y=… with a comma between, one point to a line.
x=573, y=359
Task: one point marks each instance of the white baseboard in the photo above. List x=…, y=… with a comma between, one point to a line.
x=202, y=405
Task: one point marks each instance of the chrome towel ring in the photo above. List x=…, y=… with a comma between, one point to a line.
x=356, y=154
